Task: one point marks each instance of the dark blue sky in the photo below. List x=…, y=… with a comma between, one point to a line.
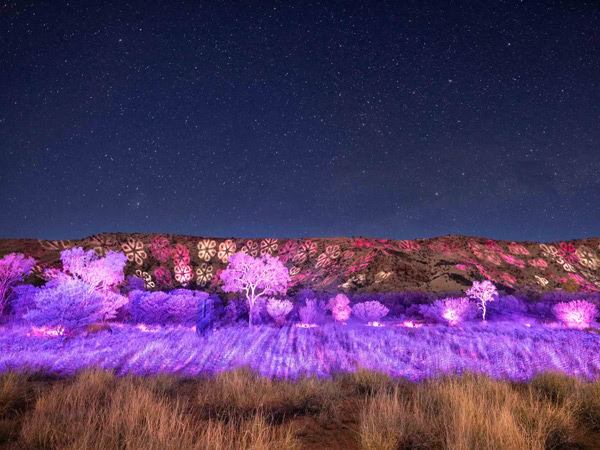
x=288, y=119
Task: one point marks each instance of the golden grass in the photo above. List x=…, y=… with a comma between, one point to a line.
x=241, y=410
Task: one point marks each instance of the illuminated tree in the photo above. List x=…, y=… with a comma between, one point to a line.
x=255, y=278
x=13, y=269
x=484, y=292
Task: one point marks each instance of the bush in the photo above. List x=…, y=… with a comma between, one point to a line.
x=279, y=309
x=449, y=311
x=506, y=307
x=179, y=306
x=182, y=306
x=22, y=300
x=371, y=311
x=576, y=314
x=68, y=306
x=339, y=306
x=13, y=269
x=313, y=313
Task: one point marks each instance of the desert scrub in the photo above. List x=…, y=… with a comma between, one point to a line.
x=472, y=411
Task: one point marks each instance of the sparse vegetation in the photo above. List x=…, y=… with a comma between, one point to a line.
x=239, y=409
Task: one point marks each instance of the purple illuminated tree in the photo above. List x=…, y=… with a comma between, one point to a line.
x=13, y=269
x=255, y=278
x=484, y=292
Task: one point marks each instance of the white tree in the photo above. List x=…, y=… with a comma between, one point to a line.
x=255, y=277
x=484, y=292
x=13, y=269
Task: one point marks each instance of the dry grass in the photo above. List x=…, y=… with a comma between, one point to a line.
x=240, y=410
x=471, y=412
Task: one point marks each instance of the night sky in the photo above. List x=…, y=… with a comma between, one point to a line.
x=384, y=119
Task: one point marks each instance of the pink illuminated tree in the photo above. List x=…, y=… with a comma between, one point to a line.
x=13, y=269
x=255, y=278
x=576, y=314
x=455, y=310
x=340, y=307
x=483, y=292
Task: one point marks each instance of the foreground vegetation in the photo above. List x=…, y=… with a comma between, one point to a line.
x=239, y=409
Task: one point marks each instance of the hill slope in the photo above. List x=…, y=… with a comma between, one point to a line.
x=447, y=263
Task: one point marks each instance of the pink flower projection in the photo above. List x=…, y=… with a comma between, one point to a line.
x=288, y=251
x=587, y=258
x=102, y=244
x=494, y=259
x=568, y=252
x=148, y=283
x=347, y=255
x=517, y=249
x=207, y=249
x=134, y=250
x=508, y=278
x=408, y=245
x=332, y=252
x=360, y=263
x=181, y=255
x=183, y=273
x=539, y=263
x=307, y=250
x=55, y=245
x=226, y=249
x=251, y=248
x=160, y=248
x=204, y=274
x=360, y=243
x=493, y=246
x=163, y=276
x=462, y=267
x=268, y=246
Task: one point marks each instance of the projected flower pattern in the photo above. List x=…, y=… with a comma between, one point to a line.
x=226, y=249
x=207, y=249
x=251, y=248
x=587, y=258
x=204, y=274
x=306, y=250
x=181, y=255
x=183, y=273
x=102, y=244
x=149, y=284
x=163, y=276
x=160, y=248
x=288, y=251
x=332, y=252
x=268, y=246
x=55, y=245
x=134, y=250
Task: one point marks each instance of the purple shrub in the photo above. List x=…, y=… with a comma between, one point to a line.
x=575, y=314
x=371, y=311
x=14, y=267
x=149, y=307
x=340, y=308
x=279, y=309
x=313, y=313
x=235, y=309
x=451, y=311
x=506, y=307
x=22, y=300
x=67, y=306
x=182, y=306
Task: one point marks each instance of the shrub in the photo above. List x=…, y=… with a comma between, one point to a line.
x=371, y=311
x=313, y=313
x=450, y=311
x=507, y=306
x=149, y=307
x=340, y=309
x=68, y=306
x=279, y=309
x=235, y=309
x=14, y=267
x=182, y=306
x=576, y=314
x=22, y=300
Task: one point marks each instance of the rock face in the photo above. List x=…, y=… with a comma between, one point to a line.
x=354, y=265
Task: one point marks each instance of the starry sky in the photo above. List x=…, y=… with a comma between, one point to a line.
x=385, y=119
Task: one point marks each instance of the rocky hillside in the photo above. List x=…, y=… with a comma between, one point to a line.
x=448, y=263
